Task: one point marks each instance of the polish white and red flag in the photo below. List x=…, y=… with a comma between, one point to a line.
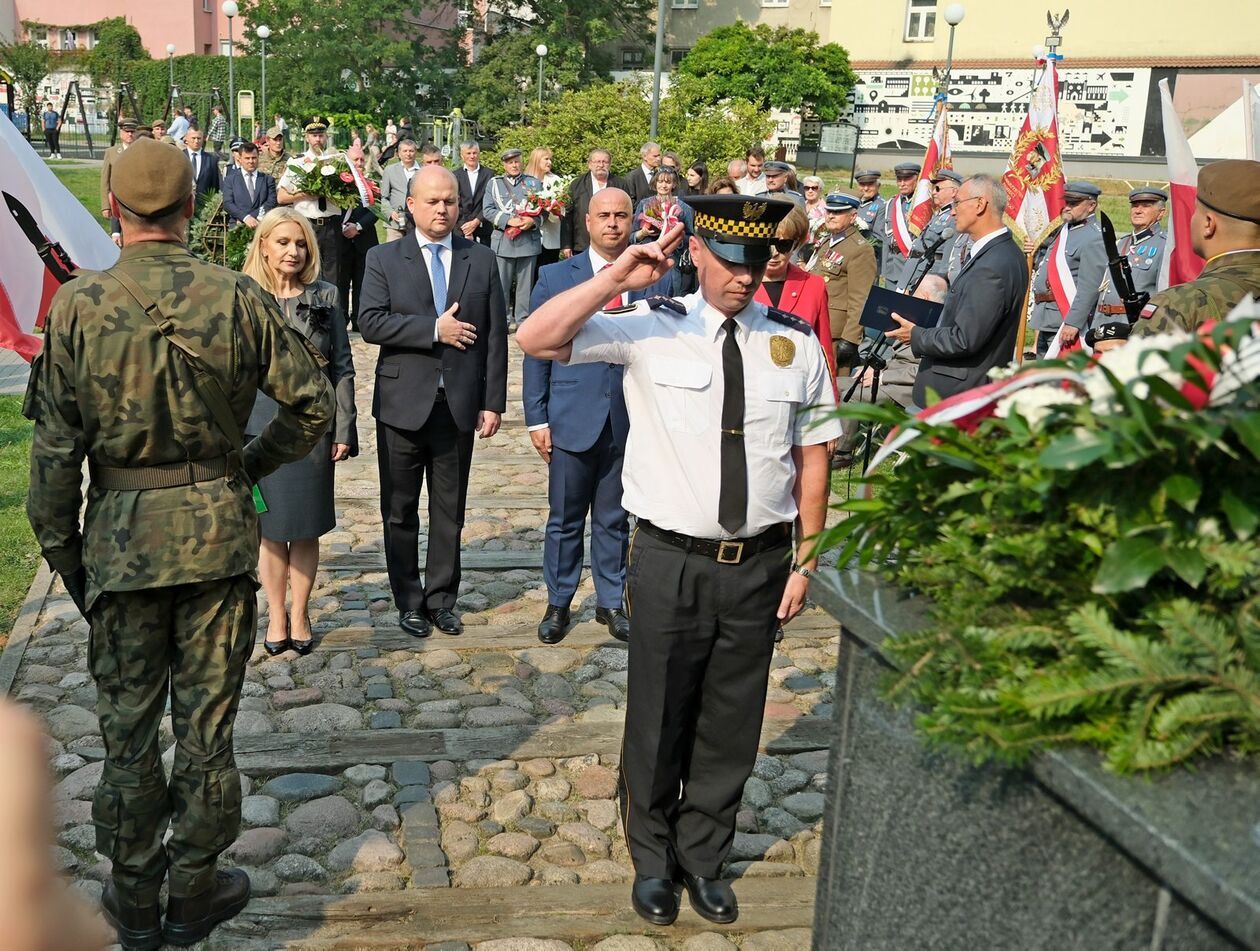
x=36, y=210
x=1034, y=172
x=1180, y=263
x=938, y=157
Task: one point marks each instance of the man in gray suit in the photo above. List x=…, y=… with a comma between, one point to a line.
x=395, y=184
x=980, y=321
x=1086, y=260
x=518, y=251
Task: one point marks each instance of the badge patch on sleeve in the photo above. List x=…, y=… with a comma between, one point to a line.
x=782, y=350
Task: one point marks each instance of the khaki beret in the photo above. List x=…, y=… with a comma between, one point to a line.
x=1232, y=187
x=151, y=179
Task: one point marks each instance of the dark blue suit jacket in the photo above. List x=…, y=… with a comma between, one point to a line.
x=236, y=195
x=576, y=401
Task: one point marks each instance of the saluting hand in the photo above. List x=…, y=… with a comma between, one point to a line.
x=641, y=265
x=455, y=333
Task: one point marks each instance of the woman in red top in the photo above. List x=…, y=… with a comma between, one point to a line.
x=793, y=290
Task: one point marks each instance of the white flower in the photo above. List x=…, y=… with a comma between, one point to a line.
x=1035, y=403
x=327, y=171
x=1141, y=356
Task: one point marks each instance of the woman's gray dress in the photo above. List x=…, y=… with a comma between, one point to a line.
x=299, y=495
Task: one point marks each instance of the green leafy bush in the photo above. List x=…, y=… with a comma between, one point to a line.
x=1090, y=551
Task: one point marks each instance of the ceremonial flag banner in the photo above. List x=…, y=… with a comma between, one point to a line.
x=938, y=157
x=1180, y=263
x=900, y=227
x=1034, y=173
x=26, y=283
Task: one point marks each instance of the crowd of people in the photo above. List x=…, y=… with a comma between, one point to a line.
x=686, y=340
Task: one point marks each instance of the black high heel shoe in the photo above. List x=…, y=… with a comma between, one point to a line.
x=276, y=648
x=306, y=646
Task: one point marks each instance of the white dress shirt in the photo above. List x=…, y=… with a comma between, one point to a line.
x=446, y=252
x=673, y=388
x=473, y=174
x=751, y=186
x=597, y=186
x=975, y=248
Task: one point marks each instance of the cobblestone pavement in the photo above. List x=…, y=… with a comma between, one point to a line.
x=337, y=802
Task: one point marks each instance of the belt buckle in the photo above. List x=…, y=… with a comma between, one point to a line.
x=724, y=556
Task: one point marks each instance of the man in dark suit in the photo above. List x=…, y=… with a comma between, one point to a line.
x=248, y=194
x=639, y=181
x=358, y=237
x=980, y=321
x=577, y=421
x=433, y=303
x=472, y=177
x=574, y=238
x=205, y=165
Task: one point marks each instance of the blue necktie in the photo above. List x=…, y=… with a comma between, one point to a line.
x=439, y=278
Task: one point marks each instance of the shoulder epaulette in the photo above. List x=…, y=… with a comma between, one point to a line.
x=668, y=303
x=788, y=320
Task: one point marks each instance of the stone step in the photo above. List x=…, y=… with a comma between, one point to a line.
x=531, y=558
x=329, y=752
x=571, y=913
x=812, y=624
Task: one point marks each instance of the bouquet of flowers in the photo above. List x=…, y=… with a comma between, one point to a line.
x=658, y=219
x=333, y=178
x=554, y=198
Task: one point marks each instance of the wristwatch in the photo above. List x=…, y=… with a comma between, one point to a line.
x=803, y=571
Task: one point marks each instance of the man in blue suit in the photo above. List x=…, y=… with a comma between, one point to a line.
x=248, y=194
x=577, y=421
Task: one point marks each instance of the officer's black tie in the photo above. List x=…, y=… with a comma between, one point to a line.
x=733, y=495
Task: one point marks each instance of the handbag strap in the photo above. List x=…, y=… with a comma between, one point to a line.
x=205, y=382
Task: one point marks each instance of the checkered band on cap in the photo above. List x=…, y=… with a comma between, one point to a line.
x=726, y=229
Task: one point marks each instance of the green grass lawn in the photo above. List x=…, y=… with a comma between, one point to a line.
x=19, y=555
x=85, y=184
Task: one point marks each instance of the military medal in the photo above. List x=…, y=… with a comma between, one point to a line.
x=782, y=350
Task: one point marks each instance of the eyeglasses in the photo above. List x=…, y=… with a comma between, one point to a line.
x=943, y=186
x=783, y=245
x=812, y=188
x=963, y=201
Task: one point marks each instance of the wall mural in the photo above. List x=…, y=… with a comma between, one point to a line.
x=1102, y=111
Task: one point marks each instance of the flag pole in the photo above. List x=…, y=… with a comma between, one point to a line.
x=1023, y=315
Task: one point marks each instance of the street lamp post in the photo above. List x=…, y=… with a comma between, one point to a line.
x=541, y=50
x=230, y=9
x=170, y=59
x=658, y=63
x=264, y=31
x=954, y=14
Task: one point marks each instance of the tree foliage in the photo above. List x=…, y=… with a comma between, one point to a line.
x=28, y=63
x=502, y=87
x=777, y=67
x=343, y=55
x=617, y=117
x=590, y=24
x=117, y=51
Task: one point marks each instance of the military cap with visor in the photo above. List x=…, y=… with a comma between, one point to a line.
x=1231, y=187
x=315, y=124
x=776, y=168
x=867, y=175
x=842, y=201
x=1082, y=190
x=738, y=228
x=151, y=179
x=275, y=132
x=946, y=175
x=907, y=169
x=507, y=154
x=128, y=125
x=1147, y=194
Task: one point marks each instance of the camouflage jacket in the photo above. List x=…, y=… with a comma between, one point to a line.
x=273, y=165
x=1225, y=281
x=109, y=387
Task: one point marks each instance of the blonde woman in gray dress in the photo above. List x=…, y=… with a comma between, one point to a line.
x=284, y=259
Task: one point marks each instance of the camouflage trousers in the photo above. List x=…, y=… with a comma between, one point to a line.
x=196, y=638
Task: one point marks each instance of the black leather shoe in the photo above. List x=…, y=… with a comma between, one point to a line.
x=711, y=898
x=615, y=620
x=276, y=648
x=555, y=624
x=306, y=646
x=444, y=620
x=655, y=899
x=139, y=929
x=188, y=920
x=414, y=623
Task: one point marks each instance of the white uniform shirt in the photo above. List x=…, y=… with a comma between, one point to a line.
x=674, y=387
x=306, y=207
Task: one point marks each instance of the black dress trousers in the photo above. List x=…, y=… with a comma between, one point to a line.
x=701, y=640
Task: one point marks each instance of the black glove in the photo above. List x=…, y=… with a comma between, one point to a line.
x=846, y=353
x=76, y=587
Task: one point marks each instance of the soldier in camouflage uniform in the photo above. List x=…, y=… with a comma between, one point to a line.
x=273, y=158
x=1225, y=230
x=163, y=568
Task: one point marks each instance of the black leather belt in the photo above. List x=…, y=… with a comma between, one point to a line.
x=166, y=476
x=731, y=551
x=323, y=222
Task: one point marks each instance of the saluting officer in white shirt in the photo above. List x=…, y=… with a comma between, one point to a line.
x=726, y=469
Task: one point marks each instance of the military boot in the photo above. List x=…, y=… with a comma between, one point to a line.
x=188, y=920
x=139, y=927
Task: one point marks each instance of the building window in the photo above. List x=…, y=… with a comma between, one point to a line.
x=676, y=56
x=225, y=47
x=685, y=4
x=69, y=39
x=774, y=3
x=207, y=6
x=920, y=20
x=824, y=3
x=631, y=59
